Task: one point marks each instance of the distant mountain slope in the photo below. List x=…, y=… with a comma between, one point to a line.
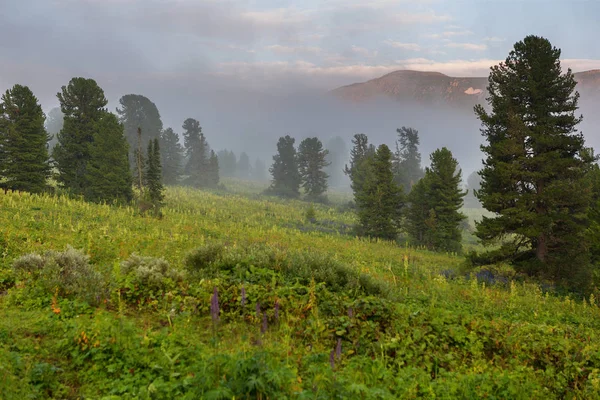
x=437, y=88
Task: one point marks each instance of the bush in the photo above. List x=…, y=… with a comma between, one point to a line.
x=68, y=274
x=201, y=261
x=148, y=276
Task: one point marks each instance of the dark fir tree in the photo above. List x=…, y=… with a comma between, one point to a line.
x=380, y=201
x=533, y=174
x=155, y=188
x=337, y=156
x=284, y=171
x=311, y=164
x=53, y=124
x=407, y=159
x=441, y=204
x=108, y=174
x=199, y=166
x=243, y=168
x=23, y=141
x=227, y=163
x=82, y=102
x=594, y=216
x=420, y=214
x=137, y=111
x=360, y=161
x=171, y=153
x=139, y=161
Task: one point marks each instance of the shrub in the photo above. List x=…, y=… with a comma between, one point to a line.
x=148, y=276
x=201, y=261
x=67, y=273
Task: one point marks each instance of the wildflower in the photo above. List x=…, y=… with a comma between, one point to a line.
x=243, y=296
x=257, y=309
x=277, y=310
x=214, y=305
x=350, y=312
x=338, y=349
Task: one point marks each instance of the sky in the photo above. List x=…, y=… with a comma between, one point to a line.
x=190, y=55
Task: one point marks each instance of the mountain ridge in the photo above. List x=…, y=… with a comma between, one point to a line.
x=431, y=87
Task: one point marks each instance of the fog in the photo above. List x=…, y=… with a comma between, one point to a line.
x=253, y=71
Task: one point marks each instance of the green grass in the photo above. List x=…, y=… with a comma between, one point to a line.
x=410, y=324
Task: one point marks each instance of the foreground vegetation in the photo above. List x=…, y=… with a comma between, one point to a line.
x=252, y=300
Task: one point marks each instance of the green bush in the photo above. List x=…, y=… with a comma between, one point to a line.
x=67, y=273
x=147, y=277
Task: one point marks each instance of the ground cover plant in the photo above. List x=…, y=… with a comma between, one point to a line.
x=235, y=295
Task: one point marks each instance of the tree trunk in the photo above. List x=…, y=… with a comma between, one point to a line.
x=541, y=249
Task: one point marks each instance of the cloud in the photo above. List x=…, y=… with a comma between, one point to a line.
x=448, y=34
x=364, y=52
x=493, y=39
x=279, y=49
x=467, y=46
x=404, y=46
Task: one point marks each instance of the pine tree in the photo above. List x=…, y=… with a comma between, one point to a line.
x=200, y=166
x=154, y=176
x=23, y=141
x=140, y=163
x=82, y=102
x=445, y=198
x=473, y=185
x=311, y=164
x=286, y=178
x=243, y=167
x=533, y=174
x=108, y=174
x=171, y=157
x=407, y=159
x=138, y=111
x=380, y=201
x=420, y=220
x=360, y=161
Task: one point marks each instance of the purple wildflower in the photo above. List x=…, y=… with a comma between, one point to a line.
x=277, y=310
x=350, y=312
x=263, y=327
x=332, y=359
x=214, y=305
x=338, y=349
x=257, y=309
x=243, y=296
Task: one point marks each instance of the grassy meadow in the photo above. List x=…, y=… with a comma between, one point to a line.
x=232, y=295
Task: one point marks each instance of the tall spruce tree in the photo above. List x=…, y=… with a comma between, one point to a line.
x=381, y=200
x=286, y=179
x=213, y=170
x=407, y=159
x=137, y=111
x=436, y=204
x=108, y=174
x=199, y=166
x=23, y=141
x=171, y=157
x=312, y=160
x=533, y=174
x=82, y=102
x=154, y=176
x=361, y=156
